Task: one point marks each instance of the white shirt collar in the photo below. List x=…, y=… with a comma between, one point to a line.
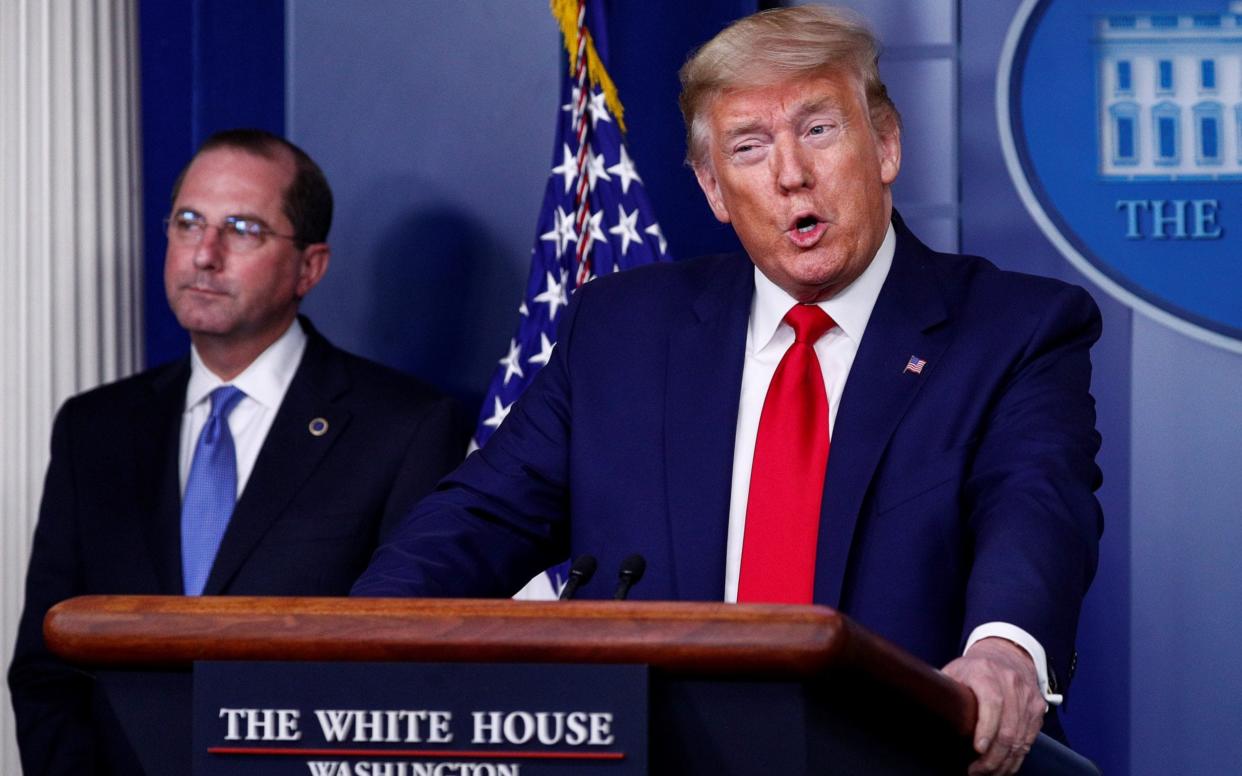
x=264, y=381
x=851, y=306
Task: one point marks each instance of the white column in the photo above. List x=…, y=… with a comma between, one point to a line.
x=70, y=248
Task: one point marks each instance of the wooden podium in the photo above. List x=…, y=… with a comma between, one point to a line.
x=733, y=689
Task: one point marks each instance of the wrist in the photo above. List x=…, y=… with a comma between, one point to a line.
x=1025, y=642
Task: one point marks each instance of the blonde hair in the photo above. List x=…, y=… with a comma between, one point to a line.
x=775, y=45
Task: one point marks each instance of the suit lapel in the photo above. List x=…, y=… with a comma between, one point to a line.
x=289, y=455
x=706, y=354
x=905, y=322
x=155, y=422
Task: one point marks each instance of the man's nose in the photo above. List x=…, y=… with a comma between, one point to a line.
x=210, y=250
x=793, y=165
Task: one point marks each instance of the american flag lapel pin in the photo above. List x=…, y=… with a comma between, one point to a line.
x=914, y=366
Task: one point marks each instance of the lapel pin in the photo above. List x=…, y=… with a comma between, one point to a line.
x=914, y=366
x=318, y=427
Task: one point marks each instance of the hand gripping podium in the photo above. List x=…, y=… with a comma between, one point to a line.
x=731, y=689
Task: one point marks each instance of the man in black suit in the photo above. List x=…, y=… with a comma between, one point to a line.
x=325, y=450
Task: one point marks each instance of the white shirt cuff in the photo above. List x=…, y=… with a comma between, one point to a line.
x=1027, y=642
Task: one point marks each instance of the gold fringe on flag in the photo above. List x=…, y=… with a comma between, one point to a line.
x=566, y=13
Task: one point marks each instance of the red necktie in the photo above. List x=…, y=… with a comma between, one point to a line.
x=787, y=479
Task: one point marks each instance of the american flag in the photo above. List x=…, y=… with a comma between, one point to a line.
x=914, y=366
x=596, y=218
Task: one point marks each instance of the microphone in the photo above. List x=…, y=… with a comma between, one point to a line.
x=632, y=569
x=579, y=574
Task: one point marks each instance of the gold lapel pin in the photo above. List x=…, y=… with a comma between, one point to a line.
x=318, y=427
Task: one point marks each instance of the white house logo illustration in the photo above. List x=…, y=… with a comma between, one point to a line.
x=1170, y=94
x=1121, y=125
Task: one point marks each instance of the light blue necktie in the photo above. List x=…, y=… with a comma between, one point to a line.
x=210, y=492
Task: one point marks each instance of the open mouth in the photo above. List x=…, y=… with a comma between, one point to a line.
x=806, y=230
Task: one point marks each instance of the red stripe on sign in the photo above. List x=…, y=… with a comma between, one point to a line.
x=482, y=755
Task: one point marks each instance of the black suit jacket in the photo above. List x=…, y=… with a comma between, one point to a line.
x=310, y=516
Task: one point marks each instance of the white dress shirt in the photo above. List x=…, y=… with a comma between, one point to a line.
x=767, y=339
x=264, y=382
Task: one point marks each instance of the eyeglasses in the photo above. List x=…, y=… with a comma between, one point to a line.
x=238, y=233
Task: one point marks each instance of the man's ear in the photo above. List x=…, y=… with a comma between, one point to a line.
x=888, y=145
x=706, y=177
x=315, y=258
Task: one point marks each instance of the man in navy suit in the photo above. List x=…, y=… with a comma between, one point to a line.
x=330, y=449
x=955, y=513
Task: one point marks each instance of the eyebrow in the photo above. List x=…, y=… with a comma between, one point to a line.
x=799, y=113
x=749, y=127
x=818, y=105
x=238, y=216
x=247, y=217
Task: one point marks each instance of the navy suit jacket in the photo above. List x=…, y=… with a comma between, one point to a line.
x=312, y=512
x=954, y=497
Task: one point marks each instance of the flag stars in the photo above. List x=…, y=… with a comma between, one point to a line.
x=512, y=362
x=572, y=107
x=627, y=228
x=625, y=170
x=568, y=168
x=595, y=230
x=562, y=231
x=555, y=295
x=545, y=350
x=598, y=108
x=654, y=231
x=500, y=410
x=596, y=170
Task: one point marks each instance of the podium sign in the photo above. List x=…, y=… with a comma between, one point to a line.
x=403, y=719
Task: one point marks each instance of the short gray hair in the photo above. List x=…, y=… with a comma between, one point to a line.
x=775, y=45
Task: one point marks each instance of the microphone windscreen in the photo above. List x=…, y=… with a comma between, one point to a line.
x=633, y=568
x=584, y=567
x=580, y=573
